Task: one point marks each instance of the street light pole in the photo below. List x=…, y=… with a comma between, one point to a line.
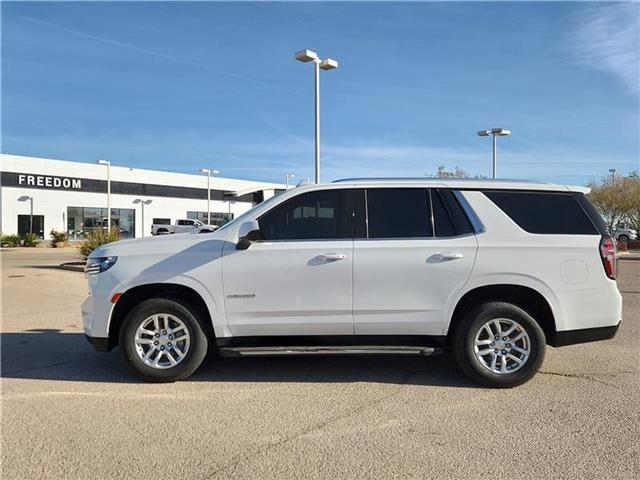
x=316, y=74
x=495, y=160
x=142, y=204
x=24, y=198
x=108, y=164
x=326, y=64
x=286, y=179
x=495, y=132
x=208, y=171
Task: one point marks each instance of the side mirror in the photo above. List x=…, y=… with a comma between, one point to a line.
x=248, y=233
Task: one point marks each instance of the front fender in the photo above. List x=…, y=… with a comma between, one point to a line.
x=214, y=303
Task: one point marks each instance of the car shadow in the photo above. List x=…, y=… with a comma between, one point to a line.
x=49, y=354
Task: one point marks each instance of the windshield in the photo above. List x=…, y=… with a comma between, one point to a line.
x=246, y=214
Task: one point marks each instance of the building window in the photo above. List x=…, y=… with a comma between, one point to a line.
x=217, y=218
x=31, y=223
x=83, y=220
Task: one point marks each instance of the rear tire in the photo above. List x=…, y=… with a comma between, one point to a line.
x=499, y=345
x=162, y=340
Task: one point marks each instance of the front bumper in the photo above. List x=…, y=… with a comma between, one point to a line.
x=573, y=337
x=100, y=344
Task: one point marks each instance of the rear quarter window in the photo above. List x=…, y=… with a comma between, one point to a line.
x=551, y=213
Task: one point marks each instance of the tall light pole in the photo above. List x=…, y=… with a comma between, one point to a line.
x=108, y=164
x=612, y=171
x=142, y=203
x=209, y=172
x=326, y=64
x=24, y=198
x=495, y=132
x=286, y=179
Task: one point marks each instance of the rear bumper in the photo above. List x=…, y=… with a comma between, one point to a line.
x=572, y=337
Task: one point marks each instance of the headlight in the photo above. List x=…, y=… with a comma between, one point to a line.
x=99, y=264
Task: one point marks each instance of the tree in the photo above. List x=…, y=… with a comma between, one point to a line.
x=633, y=216
x=617, y=202
x=457, y=173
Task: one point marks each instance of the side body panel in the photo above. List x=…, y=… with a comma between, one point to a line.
x=565, y=269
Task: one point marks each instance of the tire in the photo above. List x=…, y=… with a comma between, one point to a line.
x=162, y=231
x=189, y=338
x=472, y=328
x=623, y=238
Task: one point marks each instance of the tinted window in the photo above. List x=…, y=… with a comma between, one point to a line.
x=398, y=213
x=596, y=218
x=544, y=212
x=459, y=218
x=324, y=214
x=162, y=221
x=442, y=220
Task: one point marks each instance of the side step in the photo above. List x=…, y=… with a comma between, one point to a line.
x=327, y=350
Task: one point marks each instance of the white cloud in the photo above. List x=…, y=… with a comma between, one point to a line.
x=607, y=37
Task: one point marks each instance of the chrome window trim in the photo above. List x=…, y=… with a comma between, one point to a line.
x=476, y=223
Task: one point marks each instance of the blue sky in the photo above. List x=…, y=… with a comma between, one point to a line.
x=180, y=86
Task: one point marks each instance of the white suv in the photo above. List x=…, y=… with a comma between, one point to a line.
x=493, y=270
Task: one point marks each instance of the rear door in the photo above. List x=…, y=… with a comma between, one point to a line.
x=417, y=252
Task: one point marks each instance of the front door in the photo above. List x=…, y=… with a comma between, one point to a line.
x=418, y=253
x=298, y=279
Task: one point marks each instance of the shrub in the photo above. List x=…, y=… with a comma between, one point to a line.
x=31, y=240
x=96, y=238
x=58, y=238
x=9, y=240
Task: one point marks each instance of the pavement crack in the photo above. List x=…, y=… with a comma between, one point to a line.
x=579, y=376
x=314, y=428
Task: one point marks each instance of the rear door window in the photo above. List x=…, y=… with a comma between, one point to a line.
x=398, y=213
x=554, y=213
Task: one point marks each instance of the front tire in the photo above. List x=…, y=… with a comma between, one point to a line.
x=162, y=341
x=499, y=345
x=623, y=238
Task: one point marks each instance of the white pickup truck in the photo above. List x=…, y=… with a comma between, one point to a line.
x=182, y=225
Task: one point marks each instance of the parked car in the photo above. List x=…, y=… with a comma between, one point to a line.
x=492, y=270
x=625, y=235
x=181, y=225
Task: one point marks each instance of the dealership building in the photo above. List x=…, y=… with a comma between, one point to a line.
x=42, y=194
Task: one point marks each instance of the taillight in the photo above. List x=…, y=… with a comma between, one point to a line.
x=608, y=255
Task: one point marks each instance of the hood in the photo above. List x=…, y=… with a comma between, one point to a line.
x=160, y=244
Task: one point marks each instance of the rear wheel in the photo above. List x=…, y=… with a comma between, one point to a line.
x=162, y=341
x=498, y=344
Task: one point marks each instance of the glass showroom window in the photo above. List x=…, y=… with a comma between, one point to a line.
x=217, y=218
x=83, y=220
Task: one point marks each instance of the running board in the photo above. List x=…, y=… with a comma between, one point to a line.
x=327, y=350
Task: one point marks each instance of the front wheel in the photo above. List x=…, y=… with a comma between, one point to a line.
x=162, y=341
x=623, y=238
x=499, y=345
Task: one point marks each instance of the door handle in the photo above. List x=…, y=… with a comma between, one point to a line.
x=447, y=256
x=332, y=257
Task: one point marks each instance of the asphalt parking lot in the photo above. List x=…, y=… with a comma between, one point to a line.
x=70, y=412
